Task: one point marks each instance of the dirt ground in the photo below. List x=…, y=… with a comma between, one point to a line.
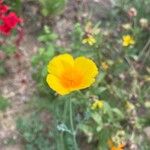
x=18, y=86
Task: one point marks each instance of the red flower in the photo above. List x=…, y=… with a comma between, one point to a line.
x=9, y=22
x=3, y=9
x=5, y=29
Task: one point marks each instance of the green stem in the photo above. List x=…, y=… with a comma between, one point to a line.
x=72, y=126
x=62, y=141
x=64, y=120
x=57, y=136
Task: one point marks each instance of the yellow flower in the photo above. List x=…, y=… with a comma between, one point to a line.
x=105, y=66
x=128, y=40
x=66, y=74
x=98, y=104
x=89, y=39
x=129, y=106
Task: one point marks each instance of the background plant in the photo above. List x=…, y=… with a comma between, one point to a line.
x=51, y=8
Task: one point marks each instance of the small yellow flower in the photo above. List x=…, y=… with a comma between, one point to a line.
x=66, y=74
x=98, y=104
x=129, y=106
x=105, y=66
x=89, y=39
x=128, y=40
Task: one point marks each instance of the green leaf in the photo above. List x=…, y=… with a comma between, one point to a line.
x=118, y=113
x=108, y=110
x=104, y=135
x=101, y=76
x=101, y=89
x=50, y=51
x=97, y=118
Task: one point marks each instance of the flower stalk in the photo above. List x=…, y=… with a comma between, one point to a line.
x=72, y=125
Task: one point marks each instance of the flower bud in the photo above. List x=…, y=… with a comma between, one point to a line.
x=132, y=12
x=143, y=22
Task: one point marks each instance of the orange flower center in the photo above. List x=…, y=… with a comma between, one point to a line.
x=71, y=78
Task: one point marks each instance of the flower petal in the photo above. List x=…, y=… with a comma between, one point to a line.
x=55, y=84
x=87, y=83
x=87, y=66
x=125, y=43
x=132, y=41
x=57, y=65
x=84, y=41
x=88, y=69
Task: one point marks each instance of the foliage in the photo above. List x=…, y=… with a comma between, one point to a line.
x=3, y=103
x=40, y=60
x=2, y=69
x=8, y=22
x=50, y=7
x=8, y=49
x=35, y=134
x=15, y=6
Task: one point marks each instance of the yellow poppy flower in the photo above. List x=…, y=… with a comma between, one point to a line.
x=66, y=74
x=89, y=40
x=98, y=104
x=128, y=40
